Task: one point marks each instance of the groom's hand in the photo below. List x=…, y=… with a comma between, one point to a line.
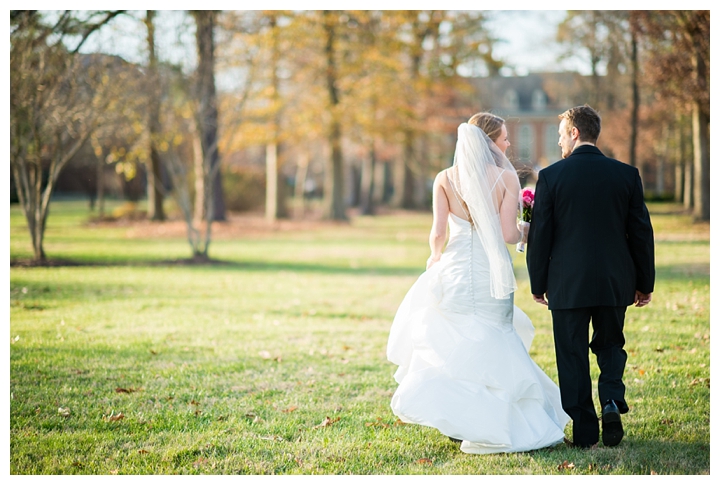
x=642, y=299
x=540, y=299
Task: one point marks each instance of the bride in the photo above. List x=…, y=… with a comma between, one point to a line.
x=460, y=344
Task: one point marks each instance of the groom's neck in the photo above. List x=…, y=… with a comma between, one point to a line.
x=581, y=143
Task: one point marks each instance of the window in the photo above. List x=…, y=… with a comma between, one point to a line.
x=526, y=141
x=539, y=101
x=512, y=101
x=552, y=150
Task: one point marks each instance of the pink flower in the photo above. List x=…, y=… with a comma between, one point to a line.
x=528, y=202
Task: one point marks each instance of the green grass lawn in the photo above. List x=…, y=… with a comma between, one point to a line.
x=273, y=361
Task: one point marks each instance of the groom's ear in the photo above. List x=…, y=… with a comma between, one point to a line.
x=574, y=133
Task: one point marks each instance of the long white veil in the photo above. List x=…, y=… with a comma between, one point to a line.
x=478, y=177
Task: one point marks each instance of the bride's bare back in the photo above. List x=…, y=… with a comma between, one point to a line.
x=446, y=201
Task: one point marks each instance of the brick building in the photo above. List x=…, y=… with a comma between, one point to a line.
x=530, y=106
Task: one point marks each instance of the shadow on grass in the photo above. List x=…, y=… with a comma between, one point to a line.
x=635, y=455
x=664, y=272
x=266, y=266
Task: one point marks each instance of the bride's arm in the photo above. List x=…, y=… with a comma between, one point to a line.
x=441, y=209
x=509, y=208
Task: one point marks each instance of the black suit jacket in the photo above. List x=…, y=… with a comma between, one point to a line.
x=591, y=241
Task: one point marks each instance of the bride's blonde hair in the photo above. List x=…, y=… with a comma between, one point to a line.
x=489, y=123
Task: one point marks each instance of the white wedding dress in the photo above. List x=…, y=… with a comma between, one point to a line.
x=462, y=356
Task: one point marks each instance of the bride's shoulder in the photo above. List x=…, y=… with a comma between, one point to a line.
x=510, y=178
x=442, y=175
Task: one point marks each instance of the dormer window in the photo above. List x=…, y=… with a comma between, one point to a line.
x=539, y=100
x=512, y=100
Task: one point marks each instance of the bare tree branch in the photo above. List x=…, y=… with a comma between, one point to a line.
x=94, y=27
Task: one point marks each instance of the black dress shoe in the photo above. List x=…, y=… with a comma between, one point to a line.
x=579, y=445
x=612, y=430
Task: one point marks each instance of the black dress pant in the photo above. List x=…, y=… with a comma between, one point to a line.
x=570, y=331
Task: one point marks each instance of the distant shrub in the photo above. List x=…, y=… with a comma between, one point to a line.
x=244, y=188
x=664, y=197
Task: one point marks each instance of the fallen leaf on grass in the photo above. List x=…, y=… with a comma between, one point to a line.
x=700, y=380
x=128, y=390
x=64, y=412
x=378, y=422
x=566, y=466
x=425, y=461
x=666, y=421
x=398, y=422
x=114, y=417
x=326, y=422
x=77, y=464
x=653, y=472
x=290, y=409
x=143, y=452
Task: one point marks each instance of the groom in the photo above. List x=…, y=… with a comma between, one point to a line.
x=590, y=255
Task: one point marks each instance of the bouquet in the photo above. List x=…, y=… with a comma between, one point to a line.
x=526, y=208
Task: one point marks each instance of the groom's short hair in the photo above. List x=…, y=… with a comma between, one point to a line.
x=585, y=119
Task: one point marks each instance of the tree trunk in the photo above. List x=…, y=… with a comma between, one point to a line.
x=367, y=182
x=271, y=182
x=687, y=162
x=199, y=172
x=701, y=163
x=155, y=192
x=275, y=203
x=701, y=136
x=101, y=186
x=421, y=190
x=275, y=207
x=635, y=101
x=679, y=166
x=154, y=175
x=334, y=180
x=300, y=179
x=387, y=183
x=679, y=176
x=688, y=196
x=205, y=20
x=660, y=176
x=334, y=183
x=404, y=196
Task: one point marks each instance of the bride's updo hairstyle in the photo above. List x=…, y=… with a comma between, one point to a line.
x=492, y=126
x=489, y=123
